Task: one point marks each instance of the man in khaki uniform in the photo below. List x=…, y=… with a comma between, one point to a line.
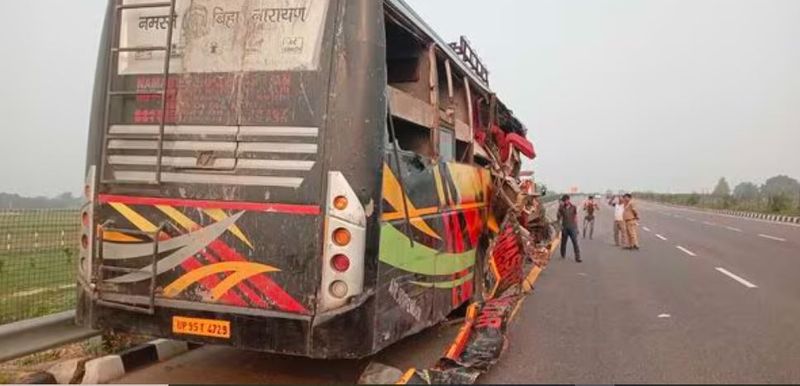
x=619, y=221
x=631, y=218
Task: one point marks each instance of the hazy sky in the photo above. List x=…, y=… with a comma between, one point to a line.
x=658, y=95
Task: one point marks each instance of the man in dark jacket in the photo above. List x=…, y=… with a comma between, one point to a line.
x=568, y=216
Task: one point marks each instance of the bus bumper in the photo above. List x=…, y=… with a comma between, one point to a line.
x=345, y=335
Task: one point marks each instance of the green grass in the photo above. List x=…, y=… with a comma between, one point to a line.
x=38, y=257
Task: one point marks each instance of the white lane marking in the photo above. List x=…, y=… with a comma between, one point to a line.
x=771, y=237
x=664, y=316
x=709, y=223
x=686, y=251
x=734, y=229
x=737, y=278
x=726, y=215
x=646, y=229
x=661, y=237
x=691, y=219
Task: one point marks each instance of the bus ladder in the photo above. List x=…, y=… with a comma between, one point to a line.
x=150, y=307
x=113, y=60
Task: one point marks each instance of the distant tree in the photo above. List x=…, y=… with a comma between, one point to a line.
x=722, y=189
x=746, y=191
x=62, y=201
x=781, y=185
x=780, y=191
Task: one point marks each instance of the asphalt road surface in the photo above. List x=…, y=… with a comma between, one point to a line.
x=708, y=299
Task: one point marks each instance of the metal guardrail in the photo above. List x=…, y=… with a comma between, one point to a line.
x=26, y=337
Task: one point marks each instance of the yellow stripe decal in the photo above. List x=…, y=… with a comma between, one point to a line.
x=439, y=188
x=179, y=217
x=242, y=270
x=219, y=215
x=135, y=218
x=393, y=193
x=118, y=237
x=238, y=277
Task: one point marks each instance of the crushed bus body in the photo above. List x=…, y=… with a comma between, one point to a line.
x=308, y=177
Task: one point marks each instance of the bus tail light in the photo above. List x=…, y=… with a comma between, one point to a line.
x=340, y=203
x=339, y=289
x=342, y=237
x=345, y=241
x=87, y=229
x=340, y=263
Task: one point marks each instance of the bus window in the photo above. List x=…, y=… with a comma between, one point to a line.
x=463, y=152
x=413, y=138
x=447, y=146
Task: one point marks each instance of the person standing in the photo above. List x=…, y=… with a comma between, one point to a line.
x=568, y=216
x=589, y=207
x=631, y=217
x=619, y=222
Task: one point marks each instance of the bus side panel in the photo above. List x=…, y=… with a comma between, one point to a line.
x=354, y=147
x=464, y=220
x=404, y=306
x=425, y=276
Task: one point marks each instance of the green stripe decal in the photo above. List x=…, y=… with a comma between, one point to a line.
x=396, y=250
x=445, y=284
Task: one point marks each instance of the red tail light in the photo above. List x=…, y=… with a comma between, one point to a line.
x=340, y=263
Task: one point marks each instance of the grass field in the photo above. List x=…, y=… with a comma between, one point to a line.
x=38, y=254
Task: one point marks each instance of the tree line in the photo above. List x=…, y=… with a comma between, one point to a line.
x=779, y=194
x=62, y=201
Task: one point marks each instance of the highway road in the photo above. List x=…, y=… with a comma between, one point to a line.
x=709, y=299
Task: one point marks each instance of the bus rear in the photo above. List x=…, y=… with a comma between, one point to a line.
x=221, y=205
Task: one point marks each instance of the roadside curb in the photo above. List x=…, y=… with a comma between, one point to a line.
x=760, y=216
x=110, y=367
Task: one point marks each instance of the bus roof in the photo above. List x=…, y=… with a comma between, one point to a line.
x=405, y=11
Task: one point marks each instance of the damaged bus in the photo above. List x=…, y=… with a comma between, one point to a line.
x=305, y=177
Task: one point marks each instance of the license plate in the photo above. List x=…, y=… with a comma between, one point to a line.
x=201, y=327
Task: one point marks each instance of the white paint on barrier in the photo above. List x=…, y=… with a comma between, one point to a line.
x=737, y=278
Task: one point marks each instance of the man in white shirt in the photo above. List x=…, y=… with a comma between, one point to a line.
x=619, y=221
